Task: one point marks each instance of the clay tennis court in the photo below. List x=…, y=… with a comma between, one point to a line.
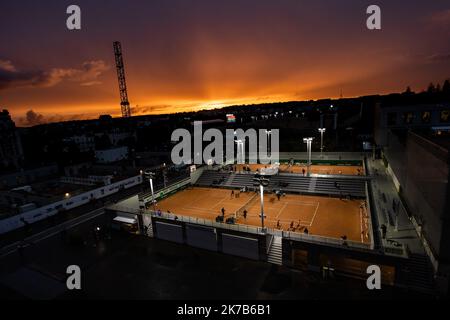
x=324, y=216
x=316, y=169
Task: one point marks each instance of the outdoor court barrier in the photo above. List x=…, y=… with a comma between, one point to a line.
x=325, y=240
x=208, y=223
x=369, y=213
x=257, y=230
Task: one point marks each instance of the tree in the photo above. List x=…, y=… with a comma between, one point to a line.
x=408, y=90
x=446, y=86
x=431, y=88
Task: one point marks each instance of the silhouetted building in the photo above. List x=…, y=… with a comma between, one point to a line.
x=111, y=155
x=11, y=153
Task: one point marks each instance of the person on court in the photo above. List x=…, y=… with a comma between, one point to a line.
x=223, y=211
x=232, y=193
x=245, y=214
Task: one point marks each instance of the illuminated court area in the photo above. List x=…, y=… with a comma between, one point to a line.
x=315, y=169
x=315, y=215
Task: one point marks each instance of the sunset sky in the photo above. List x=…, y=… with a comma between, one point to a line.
x=191, y=54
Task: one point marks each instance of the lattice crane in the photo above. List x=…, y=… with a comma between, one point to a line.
x=124, y=103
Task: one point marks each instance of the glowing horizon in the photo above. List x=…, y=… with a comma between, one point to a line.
x=190, y=56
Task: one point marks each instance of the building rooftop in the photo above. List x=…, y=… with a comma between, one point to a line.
x=440, y=136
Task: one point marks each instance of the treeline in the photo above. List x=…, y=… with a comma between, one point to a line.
x=434, y=88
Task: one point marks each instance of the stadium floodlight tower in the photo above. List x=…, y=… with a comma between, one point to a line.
x=150, y=176
x=240, y=151
x=308, y=142
x=322, y=131
x=268, y=133
x=262, y=182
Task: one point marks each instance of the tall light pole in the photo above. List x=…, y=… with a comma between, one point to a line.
x=261, y=182
x=150, y=176
x=240, y=151
x=321, y=130
x=308, y=142
x=268, y=133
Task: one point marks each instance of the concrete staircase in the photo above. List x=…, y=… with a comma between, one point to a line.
x=275, y=255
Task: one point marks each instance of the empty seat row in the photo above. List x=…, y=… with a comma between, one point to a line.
x=290, y=183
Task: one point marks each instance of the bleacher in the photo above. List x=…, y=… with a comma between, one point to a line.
x=336, y=186
x=211, y=178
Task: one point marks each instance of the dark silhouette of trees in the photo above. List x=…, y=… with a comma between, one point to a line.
x=408, y=91
x=446, y=87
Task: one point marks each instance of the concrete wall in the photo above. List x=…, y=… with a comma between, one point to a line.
x=426, y=192
x=395, y=153
x=421, y=169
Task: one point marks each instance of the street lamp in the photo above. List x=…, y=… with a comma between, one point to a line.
x=150, y=176
x=308, y=142
x=321, y=130
x=261, y=182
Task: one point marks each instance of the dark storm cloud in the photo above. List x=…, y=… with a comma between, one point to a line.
x=87, y=75
x=438, y=57
x=33, y=118
x=11, y=77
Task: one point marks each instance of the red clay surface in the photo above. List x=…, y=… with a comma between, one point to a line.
x=323, y=216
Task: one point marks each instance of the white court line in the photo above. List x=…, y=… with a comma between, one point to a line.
x=303, y=223
x=197, y=209
x=208, y=210
x=301, y=203
x=315, y=212
x=279, y=211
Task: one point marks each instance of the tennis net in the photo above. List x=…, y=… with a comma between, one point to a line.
x=246, y=205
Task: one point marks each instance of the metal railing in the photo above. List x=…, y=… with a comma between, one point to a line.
x=262, y=231
x=207, y=222
x=269, y=245
x=369, y=213
x=325, y=240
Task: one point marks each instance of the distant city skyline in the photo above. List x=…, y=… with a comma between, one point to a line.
x=188, y=56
